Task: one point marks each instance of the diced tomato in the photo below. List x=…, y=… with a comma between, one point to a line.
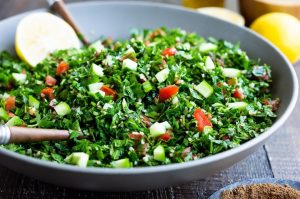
x=50, y=81
x=10, y=103
x=135, y=136
x=166, y=137
x=169, y=52
x=167, y=92
x=48, y=92
x=109, y=91
x=202, y=119
x=238, y=94
x=62, y=68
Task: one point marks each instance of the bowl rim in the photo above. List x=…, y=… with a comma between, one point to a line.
x=174, y=166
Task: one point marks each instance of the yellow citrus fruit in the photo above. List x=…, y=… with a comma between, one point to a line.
x=202, y=3
x=283, y=30
x=41, y=33
x=224, y=14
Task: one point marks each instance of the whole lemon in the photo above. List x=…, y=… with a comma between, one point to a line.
x=283, y=30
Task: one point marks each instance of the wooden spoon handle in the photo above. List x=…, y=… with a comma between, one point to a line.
x=60, y=8
x=14, y=134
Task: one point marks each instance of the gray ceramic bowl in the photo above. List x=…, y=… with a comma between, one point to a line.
x=116, y=19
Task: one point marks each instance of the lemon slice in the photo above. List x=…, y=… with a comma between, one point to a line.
x=224, y=14
x=39, y=34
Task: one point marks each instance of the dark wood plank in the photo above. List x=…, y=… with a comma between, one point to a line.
x=15, y=185
x=283, y=148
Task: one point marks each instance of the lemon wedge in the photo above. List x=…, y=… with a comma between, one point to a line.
x=224, y=14
x=41, y=33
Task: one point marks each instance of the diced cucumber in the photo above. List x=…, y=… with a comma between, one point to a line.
x=204, y=89
x=231, y=72
x=162, y=75
x=19, y=77
x=207, y=130
x=97, y=45
x=237, y=105
x=14, y=121
x=33, y=102
x=206, y=47
x=107, y=106
x=147, y=86
x=175, y=100
x=157, y=129
x=122, y=163
x=217, y=105
x=97, y=70
x=124, y=104
x=209, y=64
x=62, y=109
x=3, y=114
x=95, y=87
x=159, y=153
x=167, y=125
x=129, y=64
x=78, y=158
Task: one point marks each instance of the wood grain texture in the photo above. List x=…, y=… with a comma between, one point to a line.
x=283, y=147
x=14, y=185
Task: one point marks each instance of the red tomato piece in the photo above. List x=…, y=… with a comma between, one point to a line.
x=238, y=93
x=62, y=68
x=167, y=92
x=10, y=103
x=169, y=52
x=48, y=92
x=202, y=119
x=166, y=137
x=109, y=91
x=50, y=81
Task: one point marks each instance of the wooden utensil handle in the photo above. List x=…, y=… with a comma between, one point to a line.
x=59, y=7
x=14, y=134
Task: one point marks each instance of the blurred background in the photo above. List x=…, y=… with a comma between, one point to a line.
x=13, y=7
x=276, y=20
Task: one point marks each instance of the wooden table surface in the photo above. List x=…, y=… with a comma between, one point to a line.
x=279, y=158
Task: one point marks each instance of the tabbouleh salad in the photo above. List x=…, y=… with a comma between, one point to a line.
x=160, y=97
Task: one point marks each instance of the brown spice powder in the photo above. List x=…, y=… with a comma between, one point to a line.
x=261, y=191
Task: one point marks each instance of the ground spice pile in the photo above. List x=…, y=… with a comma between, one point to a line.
x=261, y=191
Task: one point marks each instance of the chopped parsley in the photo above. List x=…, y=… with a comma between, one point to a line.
x=160, y=97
